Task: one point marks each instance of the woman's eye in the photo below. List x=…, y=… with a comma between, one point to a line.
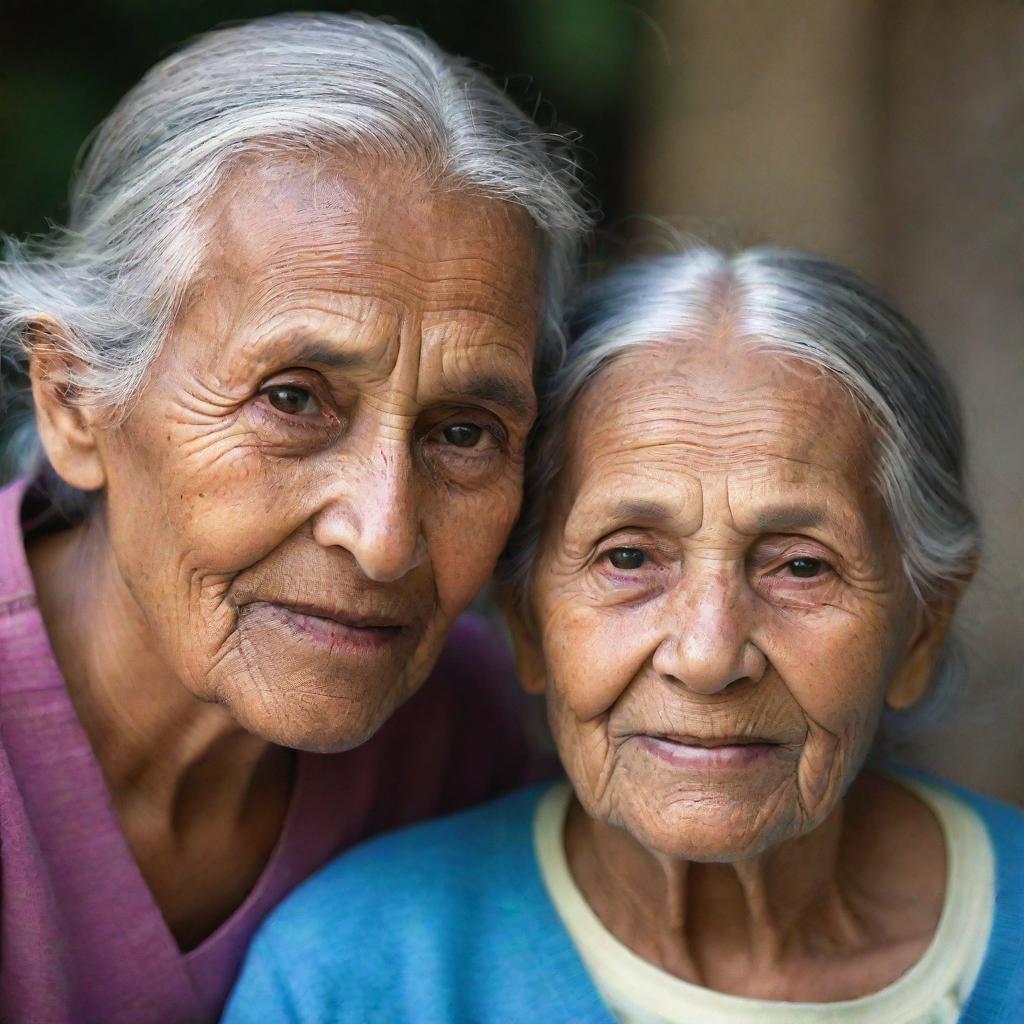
x=292, y=400
x=463, y=435
x=805, y=568
x=627, y=558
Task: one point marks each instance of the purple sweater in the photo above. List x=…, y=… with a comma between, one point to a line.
x=81, y=939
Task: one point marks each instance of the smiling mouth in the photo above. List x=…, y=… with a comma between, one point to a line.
x=711, y=742
x=707, y=752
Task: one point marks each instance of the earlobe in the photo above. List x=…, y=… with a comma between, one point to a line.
x=528, y=652
x=915, y=674
x=67, y=428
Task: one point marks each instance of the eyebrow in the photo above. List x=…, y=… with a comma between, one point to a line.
x=790, y=517
x=500, y=390
x=639, y=509
x=326, y=355
x=505, y=391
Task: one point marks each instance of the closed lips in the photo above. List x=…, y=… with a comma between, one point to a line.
x=345, y=618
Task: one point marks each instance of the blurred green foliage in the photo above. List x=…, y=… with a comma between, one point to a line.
x=64, y=66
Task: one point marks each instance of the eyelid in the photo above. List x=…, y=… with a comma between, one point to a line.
x=626, y=537
x=793, y=546
x=295, y=376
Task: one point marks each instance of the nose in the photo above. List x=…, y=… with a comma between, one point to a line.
x=375, y=516
x=707, y=645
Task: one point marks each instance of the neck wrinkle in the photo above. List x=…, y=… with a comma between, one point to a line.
x=689, y=916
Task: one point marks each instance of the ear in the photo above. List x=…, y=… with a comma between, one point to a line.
x=67, y=429
x=925, y=650
x=526, y=645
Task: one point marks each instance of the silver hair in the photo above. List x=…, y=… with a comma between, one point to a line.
x=111, y=282
x=805, y=308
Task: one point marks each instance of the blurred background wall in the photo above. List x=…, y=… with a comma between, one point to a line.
x=888, y=134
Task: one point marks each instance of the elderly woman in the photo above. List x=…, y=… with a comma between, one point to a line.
x=282, y=368
x=745, y=539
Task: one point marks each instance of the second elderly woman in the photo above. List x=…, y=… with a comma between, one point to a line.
x=282, y=366
x=744, y=543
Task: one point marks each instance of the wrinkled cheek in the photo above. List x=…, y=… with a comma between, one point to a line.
x=837, y=680
x=465, y=544
x=591, y=661
x=582, y=745
x=842, y=711
x=232, y=525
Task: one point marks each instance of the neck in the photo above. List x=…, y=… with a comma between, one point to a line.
x=764, y=926
x=159, y=747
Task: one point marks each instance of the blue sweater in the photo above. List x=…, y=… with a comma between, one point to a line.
x=450, y=922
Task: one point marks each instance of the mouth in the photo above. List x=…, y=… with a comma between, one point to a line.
x=685, y=751
x=338, y=630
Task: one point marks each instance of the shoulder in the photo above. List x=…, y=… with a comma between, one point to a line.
x=476, y=846
x=395, y=921
x=15, y=577
x=999, y=990
x=1004, y=822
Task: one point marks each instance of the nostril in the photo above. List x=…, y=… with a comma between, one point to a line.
x=387, y=558
x=708, y=663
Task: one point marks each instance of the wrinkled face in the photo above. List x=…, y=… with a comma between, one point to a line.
x=326, y=459
x=719, y=600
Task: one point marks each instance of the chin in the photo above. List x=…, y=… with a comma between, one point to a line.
x=711, y=835
x=299, y=692
x=306, y=718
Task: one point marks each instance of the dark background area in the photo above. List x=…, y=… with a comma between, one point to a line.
x=64, y=66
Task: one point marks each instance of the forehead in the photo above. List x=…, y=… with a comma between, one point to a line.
x=669, y=416
x=288, y=241
x=362, y=206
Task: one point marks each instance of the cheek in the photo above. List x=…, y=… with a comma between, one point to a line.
x=836, y=671
x=229, y=524
x=592, y=656
x=198, y=504
x=465, y=534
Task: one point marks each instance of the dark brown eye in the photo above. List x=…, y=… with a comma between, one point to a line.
x=626, y=558
x=805, y=568
x=292, y=400
x=463, y=435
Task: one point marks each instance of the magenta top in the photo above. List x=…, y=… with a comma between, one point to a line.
x=81, y=939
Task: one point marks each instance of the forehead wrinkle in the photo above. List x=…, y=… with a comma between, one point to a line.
x=477, y=358
x=333, y=336
x=441, y=296
x=268, y=205
x=640, y=496
x=421, y=268
x=348, y=247
x=707, y=433
x=641, y=431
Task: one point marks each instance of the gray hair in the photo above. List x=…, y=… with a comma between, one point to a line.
x=113, y=280
x=808, y=309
